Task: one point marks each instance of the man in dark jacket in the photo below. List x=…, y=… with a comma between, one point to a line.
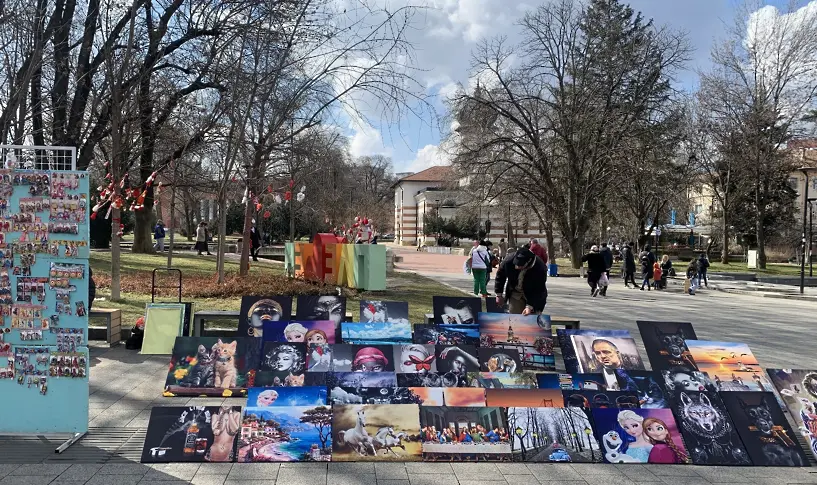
x=255, y=241
x=647, y=259
x=629, y=264
x=607, y=254
x=703, y=265
x=522, y=280
x=595, y=268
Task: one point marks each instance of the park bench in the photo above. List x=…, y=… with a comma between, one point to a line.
x=566, y=322
x=113, y=325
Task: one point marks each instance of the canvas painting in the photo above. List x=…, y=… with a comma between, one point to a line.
x=503, y=380
x=798, y=388
x=432, y=379
x=681, y=379
x=639, y=436
x=457, y=359
x=264, y=397
x=374, y=395
x=360, y=379
x=708, y=431
x=530, y=336
x=376, y=432
x=212, y=366
x=256, y=311
x=460, y=433
x=332, y=308
x=600, y=399
x=387, y=333
x=287, y=361
x=520, y=398
x=665, y=343
x=310, y=332
x=447, y=334
x=582, y=359
x=730, y=365
x=372, y=311
x=605, y=354
x=648, y=386
x=329, y=358
x=552, y=435
x=763, y=428
x=285, y=434
x=454, y=309
x=191, y=434
x=554, y=381
x=415, y=358
x=464, y=396
x=494, y=359
x=589, y=382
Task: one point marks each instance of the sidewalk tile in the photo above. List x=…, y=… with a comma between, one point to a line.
x=27, y=480
x=553, y=472
x=311, y=467
x=680, y=480
x=475, y=468
x=114, y=480
x=429, y=468
x=353, y=468
x=214, y=469
x=390, y=471
x=250, y=482
x=673, y=470
x=123, y=469
x=475, y=480
x=438, y=479
x=40, y=469
x=590, y=469
x=80, y=472
x=254, y=471
x=607, y=480
x=349, y=479
x=522, y=479
x=7, y=469
x=64, y=481
x=172, y=471
x=148, y=481
x=513, y=469
x=200, y=479
x=305, y=476
x=393, y=482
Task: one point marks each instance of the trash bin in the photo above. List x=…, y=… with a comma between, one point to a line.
x=553, y=269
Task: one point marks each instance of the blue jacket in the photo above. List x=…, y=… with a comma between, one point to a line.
x=158, y=232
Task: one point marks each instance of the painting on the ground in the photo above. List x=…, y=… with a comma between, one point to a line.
x=604, y=354
x=554, y=381
x=681, y=379
x=493, y=359
x=639, y=436
x=286, y=361
x=503, y=380
x=708, y=431
x=282, y=434
x=600, y=399
x=457, y=359
x=648, y=386
x=264, y=397
x=589, y=382
x=257, y=311
x=465, y=433
x=415, y=358
x=376, y=432
x=730, y=365
x=464, y=396
x=798, y=388
x=447, y=334
x=212, y=366
x=530, y=336
x=432, y=379
x=574, y=356
x=519, y=398
x=384, y=311
x=331, y=308
x=763, y=428
x=329, y=358
x=314, y=332
x=277, y=379
x=387, y=333
x=665, y=343
x=191, y=434
x=455, y=309
x=552, y=435
x=361, y=379
x=374, y=395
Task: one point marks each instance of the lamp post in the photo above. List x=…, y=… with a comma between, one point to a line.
x=589, y=432
x=519, y=432
x=805, y=171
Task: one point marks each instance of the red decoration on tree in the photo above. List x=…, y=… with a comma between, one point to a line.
x=291, y=184
x=288, y=195
x=258, y=207
x=267, y=214
x=93, y=216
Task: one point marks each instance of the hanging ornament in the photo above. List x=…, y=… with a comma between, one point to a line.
x=269, y=189
x=244, y=198
x=355, y=224
x=258, y=207
x=365, y=221
x=93, y=216
x=326, y=220
x=277, y=198
x=303, y=188
x=288, y=195
x=357, y=218
x=267, y=214
x=300, y=197
x=291, y=183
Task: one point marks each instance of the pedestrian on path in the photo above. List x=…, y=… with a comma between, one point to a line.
x=255, y=241
x=607, y=254
x=629, y=264
x=656, y=275
x=691, y=282
x=479, y=262
x=201, y=238
x=539, y=250
x=159, y=236
x=595, y=268
x=703, y=266
x=503, y=249
x=522, y=281
x=666, y=268
x=647, y=259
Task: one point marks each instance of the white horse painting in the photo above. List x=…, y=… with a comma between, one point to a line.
x=358, y=438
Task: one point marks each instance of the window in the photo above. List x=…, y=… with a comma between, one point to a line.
x=699, y=208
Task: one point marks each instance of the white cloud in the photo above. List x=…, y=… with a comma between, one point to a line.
x=366, y=140
x=428, y=156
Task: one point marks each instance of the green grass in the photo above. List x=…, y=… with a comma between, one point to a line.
x=187, y=263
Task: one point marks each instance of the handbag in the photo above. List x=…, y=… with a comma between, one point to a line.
x=603, y=281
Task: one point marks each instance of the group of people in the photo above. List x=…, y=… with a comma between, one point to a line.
x=521, y=274
x=477, y=434
x=203, y=236
x=654, y=274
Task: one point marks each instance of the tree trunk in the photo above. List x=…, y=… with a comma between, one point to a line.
x=725, y=230
x=115, y=254
x=292, y=219
x=142, y=231
x=576, y=252
x=245, y=238
x=551, y=243
x=222, y=237
x=172, y=229
x=760, y=231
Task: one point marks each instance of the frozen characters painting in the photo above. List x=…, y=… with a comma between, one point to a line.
x=212, y=366
x=307, y=332
x=257, y=311
x=454, y=310
x=285, y=434
x=376, y=432
x=798, y=388
x=191, y=434
x=763, y=428
x=264, y=397
x=375, y=311
x=639, y=436
x=708, y=431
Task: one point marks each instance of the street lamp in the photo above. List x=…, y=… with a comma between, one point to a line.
x=805, y=171
x=589, y=432
x=519, y=432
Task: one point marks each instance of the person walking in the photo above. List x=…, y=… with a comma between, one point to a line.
x=629, y=264
x=703, y=265
x=503, y=249
x=201, y=239
x=595, y=268
x=647, y=259
x=159, y=236
x=539, y=250
x=607, y=254
x=255, y=241
x=480, y=261
x=666, y=267
x=691, y=283
x=521, y=280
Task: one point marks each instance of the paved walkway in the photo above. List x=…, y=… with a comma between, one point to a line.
x=126, y=385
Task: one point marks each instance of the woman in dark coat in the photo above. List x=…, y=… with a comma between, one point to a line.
x=647, y=259
x=666, y=267
x=596, y=266
x=629, y=265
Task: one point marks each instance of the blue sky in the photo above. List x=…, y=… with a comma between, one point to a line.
x=452, y=28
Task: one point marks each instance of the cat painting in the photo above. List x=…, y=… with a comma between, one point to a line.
x=650, y=393
x=226, y=373
x=201, y=374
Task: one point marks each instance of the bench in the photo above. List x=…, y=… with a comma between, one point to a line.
x=566, y=322
x=201, y=317
x=113, y=325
